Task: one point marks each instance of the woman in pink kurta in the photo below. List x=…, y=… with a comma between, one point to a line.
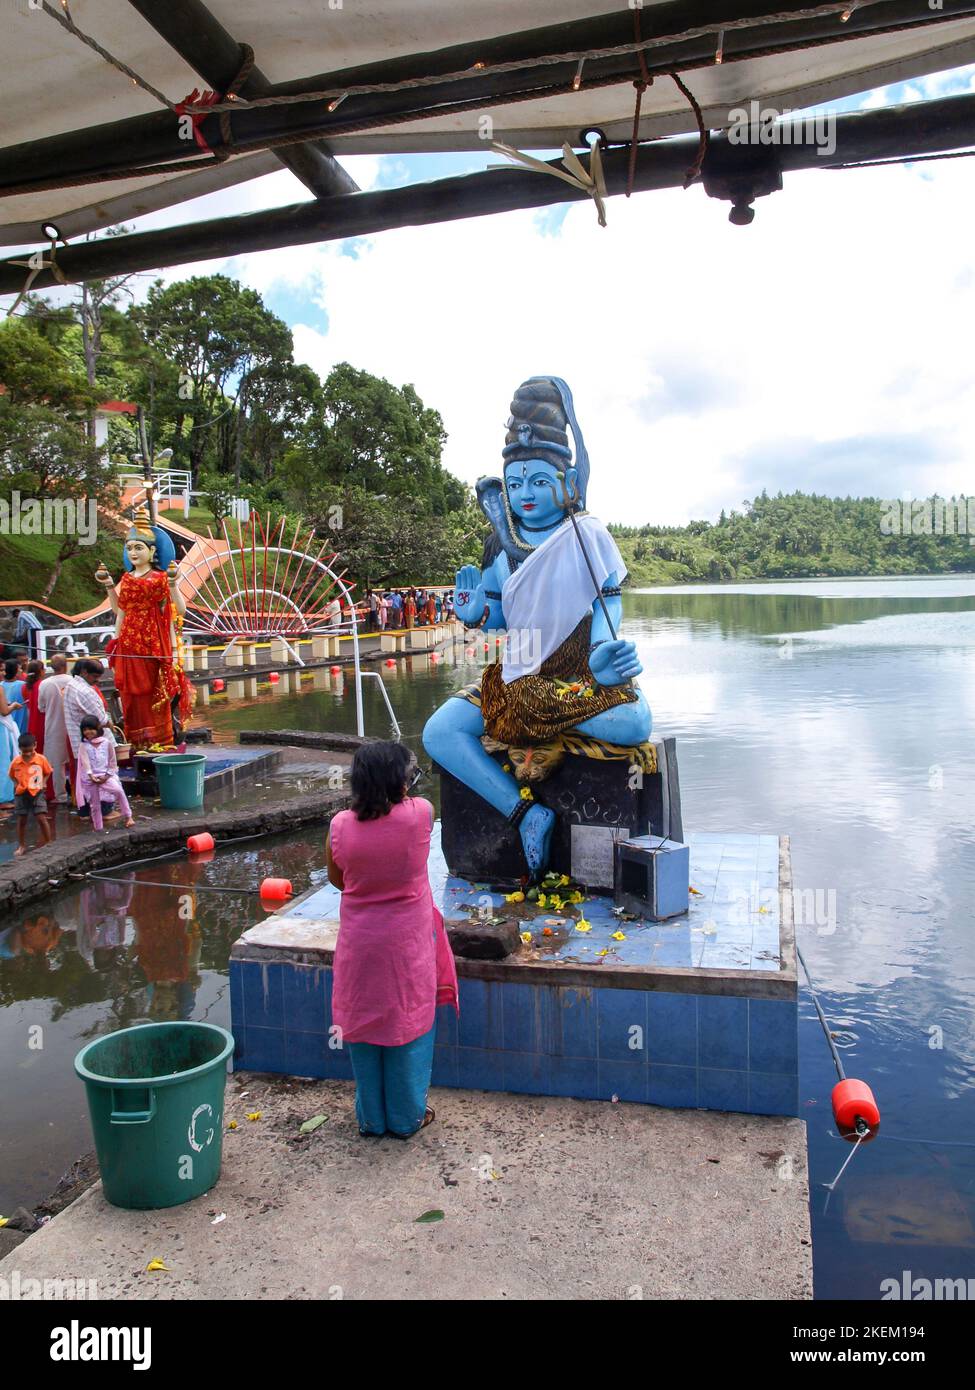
x=393, y=963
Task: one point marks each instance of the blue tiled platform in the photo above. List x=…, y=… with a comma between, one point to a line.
x=226, y=766
x=700, y=1011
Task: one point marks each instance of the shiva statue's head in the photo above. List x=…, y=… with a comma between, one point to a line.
x=541, y=480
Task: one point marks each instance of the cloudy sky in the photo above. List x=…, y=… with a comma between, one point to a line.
x=825, y=347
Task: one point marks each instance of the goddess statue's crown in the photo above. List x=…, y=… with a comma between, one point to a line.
x=141, y=529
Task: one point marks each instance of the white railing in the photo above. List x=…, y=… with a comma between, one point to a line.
x=66, y=640
x=175, y=484
x=168, y=482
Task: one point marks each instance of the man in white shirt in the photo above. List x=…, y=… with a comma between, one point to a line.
x=50, y=703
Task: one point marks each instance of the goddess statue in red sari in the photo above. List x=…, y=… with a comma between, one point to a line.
x=145, y=655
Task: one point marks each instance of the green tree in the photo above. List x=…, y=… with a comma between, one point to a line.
x=216, y=333
x=369, y=434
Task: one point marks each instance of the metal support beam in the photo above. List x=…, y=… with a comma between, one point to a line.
x=900, y=131
x=197, y=36
x=122, y=145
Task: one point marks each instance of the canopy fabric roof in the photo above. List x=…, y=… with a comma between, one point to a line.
x=52, y=84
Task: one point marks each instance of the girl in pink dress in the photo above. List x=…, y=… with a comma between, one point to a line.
x=393, y=962
x=98, y=777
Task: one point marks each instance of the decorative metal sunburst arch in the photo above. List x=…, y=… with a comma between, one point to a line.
x=262, y=583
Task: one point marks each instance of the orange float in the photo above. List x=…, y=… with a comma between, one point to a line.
x=852, y=1101
x=276, y=890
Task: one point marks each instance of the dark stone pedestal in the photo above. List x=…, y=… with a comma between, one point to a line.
x=480, y=846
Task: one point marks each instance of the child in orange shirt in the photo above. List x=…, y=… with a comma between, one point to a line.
x=29, y=773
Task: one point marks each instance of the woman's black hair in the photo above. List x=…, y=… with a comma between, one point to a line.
x=379, y=775
x=89, y=721
x=10, y=670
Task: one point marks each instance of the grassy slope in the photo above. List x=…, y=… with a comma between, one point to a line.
x=26, y=563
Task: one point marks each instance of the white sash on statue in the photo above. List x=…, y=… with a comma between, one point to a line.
x=548, y=595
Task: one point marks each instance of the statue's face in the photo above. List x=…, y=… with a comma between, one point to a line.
x=139, y=552
x=535, y=491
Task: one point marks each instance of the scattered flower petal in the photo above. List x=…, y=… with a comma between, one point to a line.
x=310, y=1125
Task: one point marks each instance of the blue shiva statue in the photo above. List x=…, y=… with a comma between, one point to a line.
x=565, y=682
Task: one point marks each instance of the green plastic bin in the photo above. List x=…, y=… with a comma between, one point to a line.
x=155, y=1095
x=180, y=777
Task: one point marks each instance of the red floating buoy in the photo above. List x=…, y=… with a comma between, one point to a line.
x=199, y=844
x=852, y=1101
x=389, y=661
x=276, y=889
x=218, y=685
x=274, y=677
x=335, y=670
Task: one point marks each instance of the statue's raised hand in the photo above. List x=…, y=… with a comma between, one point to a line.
x=102, y=576
x=614, y=663
x=469, y=597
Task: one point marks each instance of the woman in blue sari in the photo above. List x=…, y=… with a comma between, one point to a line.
x=14, y=692
x=9, y=749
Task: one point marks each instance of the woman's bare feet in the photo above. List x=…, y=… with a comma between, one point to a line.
x=19, y=851
x=130, y=821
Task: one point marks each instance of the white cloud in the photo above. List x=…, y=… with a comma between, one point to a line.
x=692, y=346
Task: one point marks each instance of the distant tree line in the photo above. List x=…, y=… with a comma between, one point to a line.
x=801, y=535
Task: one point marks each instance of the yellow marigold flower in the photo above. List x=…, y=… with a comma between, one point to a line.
x=619, y=936
x=541, y=900
x=555, y=903
x=514, y=897
x=563, y=880
x=583, y=925
x=587, y=694
x=232, y=1124
x=254, y=1115
x=576, y=897
x=526, y=794
x=506, y=768
x=526, y=937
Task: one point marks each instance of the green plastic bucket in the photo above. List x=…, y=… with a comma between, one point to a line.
x=155, y=1095
x=180, y=777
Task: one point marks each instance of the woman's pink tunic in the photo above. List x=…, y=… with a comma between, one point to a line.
x=393, y=963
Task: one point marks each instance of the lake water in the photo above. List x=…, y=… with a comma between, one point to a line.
x=839, y=713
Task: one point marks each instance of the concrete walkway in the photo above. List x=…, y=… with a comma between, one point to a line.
x=541, y=1199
